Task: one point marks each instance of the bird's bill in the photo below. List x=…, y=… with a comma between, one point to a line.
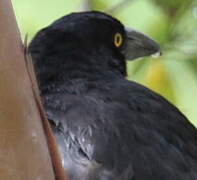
x=139, y=45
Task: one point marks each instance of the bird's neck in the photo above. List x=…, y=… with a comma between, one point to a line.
x=79, y=67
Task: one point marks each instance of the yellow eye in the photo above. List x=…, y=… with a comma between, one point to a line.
x=118, y=40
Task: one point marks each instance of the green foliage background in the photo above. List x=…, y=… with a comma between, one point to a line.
x=173, y=23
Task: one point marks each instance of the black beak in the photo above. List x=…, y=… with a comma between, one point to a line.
x=139, y=45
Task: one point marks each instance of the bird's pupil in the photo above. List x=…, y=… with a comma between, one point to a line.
x=118, y=39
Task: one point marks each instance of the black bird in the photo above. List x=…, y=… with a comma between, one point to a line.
x=108, y=128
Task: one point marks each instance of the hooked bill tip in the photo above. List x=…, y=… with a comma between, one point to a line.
x=156, y=55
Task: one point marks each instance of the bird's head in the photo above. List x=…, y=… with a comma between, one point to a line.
x=82, y=32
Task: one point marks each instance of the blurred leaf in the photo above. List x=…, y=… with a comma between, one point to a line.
x=139, y=14
x=172, y=6
x=99, y=4
x=160, y=30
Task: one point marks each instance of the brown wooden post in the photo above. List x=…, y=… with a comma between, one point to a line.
x=24, y=153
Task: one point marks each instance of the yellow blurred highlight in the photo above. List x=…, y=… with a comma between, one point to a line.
x=157, y=79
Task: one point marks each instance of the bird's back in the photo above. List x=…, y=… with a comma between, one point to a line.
x=121, y=130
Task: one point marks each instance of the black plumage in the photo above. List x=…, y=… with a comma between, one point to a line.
x=106, y=126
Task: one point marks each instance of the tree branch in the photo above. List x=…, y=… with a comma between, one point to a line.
x=86, y=5
x=23, y=145
x=118, y=7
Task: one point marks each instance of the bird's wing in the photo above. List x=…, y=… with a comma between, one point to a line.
x=128, y=133
x=164, y=141
x=87, y=145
